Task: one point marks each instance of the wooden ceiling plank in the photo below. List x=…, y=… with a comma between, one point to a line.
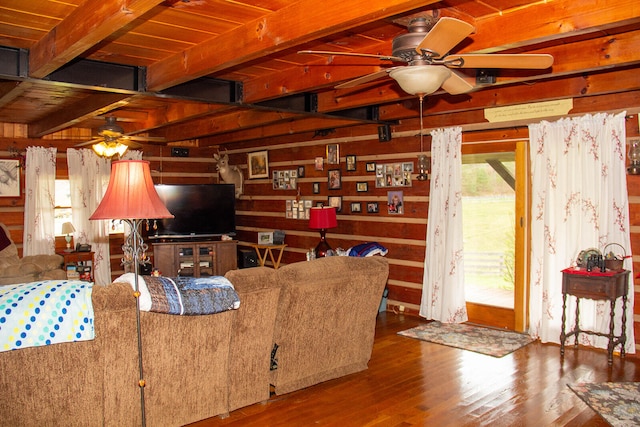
x=547, y=21
x=277, y=31
x=94, y=105
x=86, y=26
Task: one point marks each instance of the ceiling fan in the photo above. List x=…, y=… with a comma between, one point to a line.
x=429, y=68
x=111, y=139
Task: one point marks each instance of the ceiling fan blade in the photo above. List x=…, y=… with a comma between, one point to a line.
x=456, y=84
x=362, y=55
x=93, y=141
x=531, y=61
x=444, y=36
x=145, y=138
x=364, y=79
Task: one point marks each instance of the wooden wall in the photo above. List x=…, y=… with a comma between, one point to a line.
x=262, y=208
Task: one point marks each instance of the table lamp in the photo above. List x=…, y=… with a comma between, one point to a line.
x=321, y=218
x=132, y=198
x=67, y=229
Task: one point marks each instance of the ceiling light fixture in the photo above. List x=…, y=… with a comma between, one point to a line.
x=421, y=80
x=109, y=148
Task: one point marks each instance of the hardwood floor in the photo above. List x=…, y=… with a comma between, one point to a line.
x=415, y=383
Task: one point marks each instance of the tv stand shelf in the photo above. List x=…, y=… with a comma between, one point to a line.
x=195, y=259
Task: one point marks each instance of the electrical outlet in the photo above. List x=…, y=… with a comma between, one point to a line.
x=179, y=152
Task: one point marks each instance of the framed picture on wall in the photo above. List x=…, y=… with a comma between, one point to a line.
x=372, y=207
x=336, y=202
x=258, y=164
x=316, y=188
x=351, y=162
x=10, y=183
x=333, y=154
x=371, y=167
x=356, y=207
x=362, y=187
x=319, y=163
x=335, y=179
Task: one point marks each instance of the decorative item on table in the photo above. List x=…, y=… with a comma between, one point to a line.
x=322, y=218
x=67, y=230
x=613, y=261
x=265, y=238
x=583, y=257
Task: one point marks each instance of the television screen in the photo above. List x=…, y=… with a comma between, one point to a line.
x=200, y=210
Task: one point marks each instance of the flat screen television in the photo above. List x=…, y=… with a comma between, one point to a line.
x=200, y=211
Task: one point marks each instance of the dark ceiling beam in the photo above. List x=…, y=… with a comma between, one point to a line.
x=89, y=24
x=272, y=33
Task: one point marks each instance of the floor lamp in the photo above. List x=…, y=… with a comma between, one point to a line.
x=132, y=198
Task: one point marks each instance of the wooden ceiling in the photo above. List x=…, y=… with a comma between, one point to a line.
x=218, y=71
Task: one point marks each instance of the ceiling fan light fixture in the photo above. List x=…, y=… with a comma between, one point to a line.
x=109, y=149
x=420, y=79
x=110, y=128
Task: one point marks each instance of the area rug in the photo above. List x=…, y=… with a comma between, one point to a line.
x=617, y=403
x=492, y=342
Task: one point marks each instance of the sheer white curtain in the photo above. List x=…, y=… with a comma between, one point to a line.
x=88, y=177
x=443, y=282
x=579, y=201
x=39, y=203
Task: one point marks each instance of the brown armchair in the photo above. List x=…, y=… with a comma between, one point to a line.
x=14, y=269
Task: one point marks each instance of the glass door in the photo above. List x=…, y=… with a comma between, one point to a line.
x=492, y=249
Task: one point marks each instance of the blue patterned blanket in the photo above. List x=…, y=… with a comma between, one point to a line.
x=184, y=295
x=47, y=312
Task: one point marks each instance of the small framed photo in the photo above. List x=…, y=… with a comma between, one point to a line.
x=371, y=167
x=394, y=203
x=335, y=179
x=336, y=202
x=10, y=183
x=356, y=207
x=319, y=163
x=333, y=154
x=300, y=171
x=372, y=207
x=362, y=187
x=258, y=164
x=265, y=238
x=316, y=188
x=351, y=162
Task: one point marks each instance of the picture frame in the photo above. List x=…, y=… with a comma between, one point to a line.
x=371, y=166
x=362, y=187
x=372, y=207
x=258, y=164
x=333, y=154
x=319, y=163
x=351, y=162
x=316, y=188
x=10, y=170
x=395, y=203
x=301, y=171
x=335, y=179
x=336, y=202
x=356, y=207
x=265, y=238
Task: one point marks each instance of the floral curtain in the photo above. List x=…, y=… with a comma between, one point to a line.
x=443, y=282
x=88, y=176
x=579, y=201
x=39, y=203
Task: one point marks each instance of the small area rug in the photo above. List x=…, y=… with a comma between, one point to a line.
x=492, y=342
x=617, y=403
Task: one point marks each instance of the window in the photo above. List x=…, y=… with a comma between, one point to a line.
x=62, y=211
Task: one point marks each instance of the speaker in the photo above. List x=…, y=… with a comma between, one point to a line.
x=247, y=258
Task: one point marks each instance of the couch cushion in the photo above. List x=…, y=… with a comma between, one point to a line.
x=4, y=239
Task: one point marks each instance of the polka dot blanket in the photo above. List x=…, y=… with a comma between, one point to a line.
x=47, y=312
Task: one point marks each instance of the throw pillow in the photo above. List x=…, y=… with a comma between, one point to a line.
x=368, y=249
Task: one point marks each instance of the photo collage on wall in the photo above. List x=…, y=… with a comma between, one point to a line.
x=285, y=179
x=298, y=209
x=394, y=175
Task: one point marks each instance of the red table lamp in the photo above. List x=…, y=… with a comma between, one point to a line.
x=321, y=218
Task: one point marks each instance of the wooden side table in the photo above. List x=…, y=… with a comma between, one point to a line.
x=76, y=257
x=595, y=285
x=268, y=250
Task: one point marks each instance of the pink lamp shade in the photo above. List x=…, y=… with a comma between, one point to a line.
x=322, y=218
x=131, y=194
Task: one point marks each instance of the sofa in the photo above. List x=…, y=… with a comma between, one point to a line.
x=319, y=316
x=14, y=269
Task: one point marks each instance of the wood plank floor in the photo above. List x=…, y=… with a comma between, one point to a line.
x=415, y=383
